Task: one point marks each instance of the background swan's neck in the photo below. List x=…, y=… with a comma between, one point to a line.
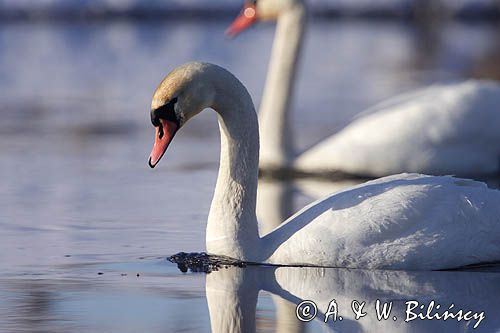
x=277, y=147
x=232, y=224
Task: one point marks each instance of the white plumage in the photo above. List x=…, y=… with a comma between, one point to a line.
x=406, y=221
x=437, y=130
x=443, y=129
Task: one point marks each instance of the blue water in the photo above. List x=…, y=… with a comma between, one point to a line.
x=77, y=197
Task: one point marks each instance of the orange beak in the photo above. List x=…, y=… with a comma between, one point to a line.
x=163, y=136
x=247, y=17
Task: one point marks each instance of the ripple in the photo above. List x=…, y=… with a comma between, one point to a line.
x=201, y=262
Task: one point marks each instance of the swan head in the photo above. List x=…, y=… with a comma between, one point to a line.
x=259, y=10
x=182, y=94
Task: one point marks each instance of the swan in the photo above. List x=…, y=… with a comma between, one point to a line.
x=406, y=221
x=441, y=129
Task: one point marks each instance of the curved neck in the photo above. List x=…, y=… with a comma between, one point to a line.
x=232, y=224
x=277, y=148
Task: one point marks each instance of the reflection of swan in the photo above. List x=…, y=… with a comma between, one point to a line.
x=319, y=188
x=405, y=221
x=443, y=129
x=232, y=295
x=274, y=205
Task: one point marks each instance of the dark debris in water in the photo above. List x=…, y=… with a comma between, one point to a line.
x=201, y=262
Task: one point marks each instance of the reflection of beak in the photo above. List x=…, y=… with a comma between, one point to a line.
x=247, y=17
x=163, y=137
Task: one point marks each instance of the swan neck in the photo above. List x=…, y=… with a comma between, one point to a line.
x=277, y=147
x=232, y=224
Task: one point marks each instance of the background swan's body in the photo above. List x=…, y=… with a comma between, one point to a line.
x=398, y=222
x=438, y=130
x=444, y=129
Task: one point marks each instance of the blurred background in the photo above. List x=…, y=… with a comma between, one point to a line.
x=76, y=80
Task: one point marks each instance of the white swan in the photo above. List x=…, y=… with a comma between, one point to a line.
x=443, y=129
x=406, y=221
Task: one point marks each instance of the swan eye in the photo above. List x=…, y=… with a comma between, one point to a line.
x=165, y=112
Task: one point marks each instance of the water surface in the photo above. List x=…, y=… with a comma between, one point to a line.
x=78, y=199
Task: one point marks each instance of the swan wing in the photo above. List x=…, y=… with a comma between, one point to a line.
x=406, y=221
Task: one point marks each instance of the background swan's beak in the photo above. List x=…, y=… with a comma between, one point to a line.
x=247, y=17
x=163, y=136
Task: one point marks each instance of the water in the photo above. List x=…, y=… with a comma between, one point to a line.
x=254, y=298
x=77, y=197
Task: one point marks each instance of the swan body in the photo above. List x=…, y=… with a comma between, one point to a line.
x=406, y=221
x=437, y=130
x=399, y=222
x=443, y=129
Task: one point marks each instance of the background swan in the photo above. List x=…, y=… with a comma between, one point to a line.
x=405, y=221
x=442, y=129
